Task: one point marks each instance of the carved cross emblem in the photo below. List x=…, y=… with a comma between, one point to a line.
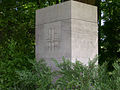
x=53, y=39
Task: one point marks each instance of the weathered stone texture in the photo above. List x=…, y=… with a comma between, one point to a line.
x=68, y=29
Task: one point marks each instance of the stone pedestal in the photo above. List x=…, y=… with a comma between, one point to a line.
x=68, y=29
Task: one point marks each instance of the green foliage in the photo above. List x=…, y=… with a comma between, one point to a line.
x=72, y=76
x=10, y=61
x=109, y=33
x=37, y=78
x=17, y=23
x=19, y=72
x=17, y=33
x=77, y=76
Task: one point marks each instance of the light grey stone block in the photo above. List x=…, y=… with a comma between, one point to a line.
x=67, y=30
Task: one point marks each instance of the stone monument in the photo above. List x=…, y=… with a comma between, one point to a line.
x=67, y=30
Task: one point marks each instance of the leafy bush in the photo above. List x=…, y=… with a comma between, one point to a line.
x=10, y=61
x=76, y=75
x=19, y=72
x=72, y=76
x=39, y=78
x=91, y=77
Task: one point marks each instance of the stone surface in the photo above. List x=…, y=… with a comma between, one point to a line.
x=68, y=29
x=91, y=2
x=53, y=13
x=84, y=40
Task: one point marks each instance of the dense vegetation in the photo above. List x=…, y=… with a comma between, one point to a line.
x=110, y=33
x=71, y=76
x=18, y=69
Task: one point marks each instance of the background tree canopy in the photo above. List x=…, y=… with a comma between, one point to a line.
x=109, y=32
x=17, y=35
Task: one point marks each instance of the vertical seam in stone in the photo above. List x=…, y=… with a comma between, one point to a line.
x=71, y=30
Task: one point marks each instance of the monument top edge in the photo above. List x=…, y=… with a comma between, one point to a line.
x=68, y=2
x=90, y=2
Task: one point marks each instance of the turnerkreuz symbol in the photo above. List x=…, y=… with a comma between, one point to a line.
x=53, y=41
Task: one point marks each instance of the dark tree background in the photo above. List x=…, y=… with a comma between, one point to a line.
x=110, y=33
